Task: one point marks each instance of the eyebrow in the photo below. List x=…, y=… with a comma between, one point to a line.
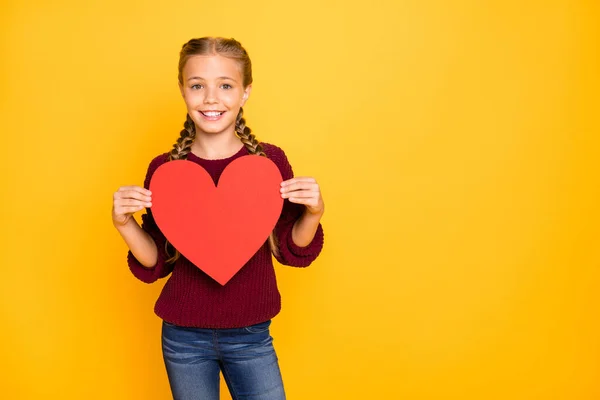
x=221, y=77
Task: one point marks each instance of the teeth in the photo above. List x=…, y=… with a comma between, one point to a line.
x=212, y=113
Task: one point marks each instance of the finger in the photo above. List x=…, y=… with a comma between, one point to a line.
x=305, y=194
x=298, y=179
x=132, y=202
x=128, y=201
x=306, y=201
x=301, y=186
x=135, y=188
x=132, y=194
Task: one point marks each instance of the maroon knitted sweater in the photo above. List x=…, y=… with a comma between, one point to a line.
x=192, y=298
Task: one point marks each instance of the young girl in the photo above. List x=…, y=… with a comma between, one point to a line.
x=208, y=327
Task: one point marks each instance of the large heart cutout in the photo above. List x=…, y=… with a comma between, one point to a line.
x=218, y=228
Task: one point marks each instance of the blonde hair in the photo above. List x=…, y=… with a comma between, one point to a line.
x=230, y=48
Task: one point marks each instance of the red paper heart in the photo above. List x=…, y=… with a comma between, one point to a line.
x=217, y=228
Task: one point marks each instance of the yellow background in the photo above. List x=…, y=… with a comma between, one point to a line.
x=456, y=146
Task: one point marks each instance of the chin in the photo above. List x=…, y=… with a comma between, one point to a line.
x=212, y=129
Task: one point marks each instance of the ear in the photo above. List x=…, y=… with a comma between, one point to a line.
x=180, y=89
x=247, y=91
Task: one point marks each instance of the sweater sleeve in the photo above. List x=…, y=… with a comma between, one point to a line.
x=161, y=269
x=290, y=253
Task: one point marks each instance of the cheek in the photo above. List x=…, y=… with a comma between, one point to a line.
x=186, y=98
x=233, y=99
x=192, y=102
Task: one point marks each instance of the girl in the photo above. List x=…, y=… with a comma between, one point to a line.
x=208, y=327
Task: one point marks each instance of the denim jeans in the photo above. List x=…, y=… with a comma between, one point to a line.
x=194, y=356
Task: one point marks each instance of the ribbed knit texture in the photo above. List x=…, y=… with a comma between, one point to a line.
x=192, y=298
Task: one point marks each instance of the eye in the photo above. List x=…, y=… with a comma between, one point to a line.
x=226, y=86
x=196, y=86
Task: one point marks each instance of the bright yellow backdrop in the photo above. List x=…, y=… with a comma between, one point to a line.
x=456, y=145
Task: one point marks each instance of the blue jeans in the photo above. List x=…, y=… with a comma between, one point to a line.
x=194, y=356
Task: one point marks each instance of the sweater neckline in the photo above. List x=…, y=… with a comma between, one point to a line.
x=194, y=157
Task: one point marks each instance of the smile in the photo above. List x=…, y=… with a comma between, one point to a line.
x=212, y=115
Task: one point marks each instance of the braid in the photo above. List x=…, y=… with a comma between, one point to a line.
x=254, y=147
x=246, y=136
x=180, y=151
x=183, y=146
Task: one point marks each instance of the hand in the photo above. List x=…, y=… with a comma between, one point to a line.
x=304, y=190
x=127, y=201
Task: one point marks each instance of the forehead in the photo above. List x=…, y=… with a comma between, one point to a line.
x=211, y=67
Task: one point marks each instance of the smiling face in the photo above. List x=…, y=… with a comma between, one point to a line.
x=213, y=91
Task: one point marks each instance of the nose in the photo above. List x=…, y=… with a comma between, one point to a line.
x=210, y=97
